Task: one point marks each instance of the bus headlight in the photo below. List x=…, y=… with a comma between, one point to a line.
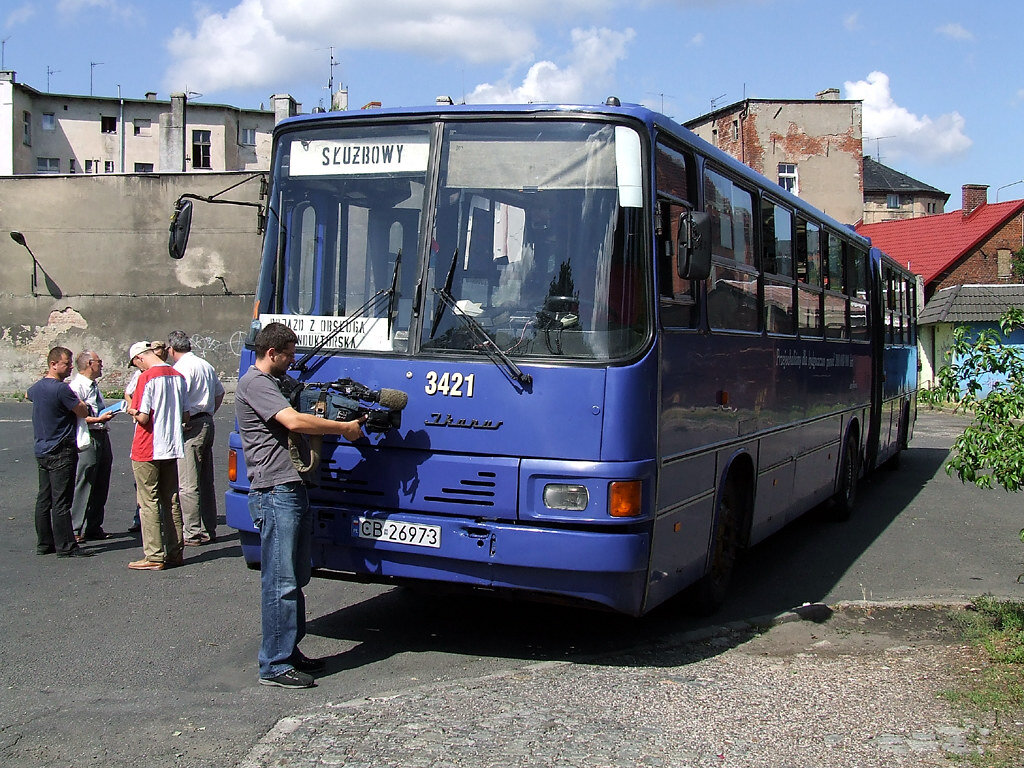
x=565, y=496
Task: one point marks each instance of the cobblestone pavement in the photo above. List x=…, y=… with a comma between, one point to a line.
x=860, y=688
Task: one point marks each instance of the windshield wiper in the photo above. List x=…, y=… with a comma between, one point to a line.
x=487, y=344
x=439, y=310
x=393, y=294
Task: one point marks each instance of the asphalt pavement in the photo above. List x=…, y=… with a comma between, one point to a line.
x=103, y=666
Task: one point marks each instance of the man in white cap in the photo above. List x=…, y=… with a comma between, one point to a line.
x=158, y=407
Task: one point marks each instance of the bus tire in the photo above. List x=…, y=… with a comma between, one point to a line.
x=902, y=440
x=713, y=587
x=846, y=487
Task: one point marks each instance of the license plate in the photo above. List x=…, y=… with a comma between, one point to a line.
x=397, y=532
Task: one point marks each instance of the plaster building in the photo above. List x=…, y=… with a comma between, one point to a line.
x=812, y=147
x=890, y=195
x=49, y=133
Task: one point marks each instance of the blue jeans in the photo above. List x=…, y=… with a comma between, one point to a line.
x=281, y=515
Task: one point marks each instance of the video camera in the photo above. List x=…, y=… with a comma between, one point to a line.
x=343, y=400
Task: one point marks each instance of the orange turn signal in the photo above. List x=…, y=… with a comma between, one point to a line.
x=232, y=466
x=624, y=498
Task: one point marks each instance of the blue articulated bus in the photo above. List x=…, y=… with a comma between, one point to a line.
x=626, y=356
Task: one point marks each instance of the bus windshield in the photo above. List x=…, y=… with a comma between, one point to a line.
x=534, y=242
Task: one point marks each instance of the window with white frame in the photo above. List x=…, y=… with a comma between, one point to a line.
x=201, y=149
x=143, y=168
x=892, y=201
x=49, y=121
x=788, y=178
x=108, y=166
x=247, y=136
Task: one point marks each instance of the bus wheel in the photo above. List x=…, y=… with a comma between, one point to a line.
x=710, y=592
x=846, y=492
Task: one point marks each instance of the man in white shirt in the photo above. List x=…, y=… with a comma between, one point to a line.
x=92, y=478
x=196, y=488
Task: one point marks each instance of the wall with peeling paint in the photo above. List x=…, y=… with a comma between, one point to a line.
x=103, y=278
x=823, y=137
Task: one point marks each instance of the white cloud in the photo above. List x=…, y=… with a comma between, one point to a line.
x=260, y=43
x=697, y=39
x=590, y=65
x=19, y=15
x=852, y=22
x=955, y=32
x=907, y=135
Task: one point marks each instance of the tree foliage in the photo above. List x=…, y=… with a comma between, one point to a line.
x=984, y=376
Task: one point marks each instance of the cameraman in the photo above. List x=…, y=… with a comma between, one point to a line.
x=279, y=505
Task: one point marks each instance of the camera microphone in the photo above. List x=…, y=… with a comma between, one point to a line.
x=394, y=399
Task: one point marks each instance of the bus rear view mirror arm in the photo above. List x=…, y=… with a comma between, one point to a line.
x=694, y=246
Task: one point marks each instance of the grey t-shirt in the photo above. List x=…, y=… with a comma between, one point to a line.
x=264, y=439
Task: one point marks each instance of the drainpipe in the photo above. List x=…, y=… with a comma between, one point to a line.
x=121, y=102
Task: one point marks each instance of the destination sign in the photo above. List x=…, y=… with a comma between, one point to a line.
x=360, y=333
x=359, y=156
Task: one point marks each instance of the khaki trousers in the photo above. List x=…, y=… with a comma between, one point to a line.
x=159, y=511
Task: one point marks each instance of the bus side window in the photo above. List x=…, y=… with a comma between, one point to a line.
x=732, y=293
x=808, y=276
x=836, y=315
x=857, y=281
x=777, y=264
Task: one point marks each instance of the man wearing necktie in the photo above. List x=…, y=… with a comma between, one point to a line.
x=92, y=479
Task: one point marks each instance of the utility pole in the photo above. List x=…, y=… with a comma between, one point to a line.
x=3, y=51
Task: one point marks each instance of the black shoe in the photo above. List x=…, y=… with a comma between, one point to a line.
x=134, y=528
x=45, y=551
x=98, y=536
x=291, y=678
x=76, y=552
x=303, y=663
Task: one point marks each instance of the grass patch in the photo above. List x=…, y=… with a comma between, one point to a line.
x=995, y=689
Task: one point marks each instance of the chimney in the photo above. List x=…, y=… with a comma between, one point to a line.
x=150, y=95
x=829, y=94
x=974, y=196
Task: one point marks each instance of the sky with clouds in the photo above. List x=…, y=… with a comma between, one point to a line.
x=942, y=82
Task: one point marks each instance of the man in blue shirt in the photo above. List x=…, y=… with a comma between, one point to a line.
x=55, y=413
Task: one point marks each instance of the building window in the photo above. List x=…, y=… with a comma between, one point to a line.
x=108, y=124
x=932, y=208
x=892, y=201
x=49, y=121
x=26, y=136
x=735, y=130
x=108, y=166
x=1004, y=262
x=201, y=149
x=788, y=178
x=47, y=165
x=143, y=167
x=714, y=136
x=143, y=127
x=247, y=136
x=71, y=165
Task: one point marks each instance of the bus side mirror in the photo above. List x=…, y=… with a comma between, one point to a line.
x=181, y=225
x=693, y=261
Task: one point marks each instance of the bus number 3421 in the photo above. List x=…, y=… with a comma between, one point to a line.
x=449, y=384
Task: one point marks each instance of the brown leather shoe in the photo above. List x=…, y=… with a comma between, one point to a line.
x=174, y=562
x=145, y=565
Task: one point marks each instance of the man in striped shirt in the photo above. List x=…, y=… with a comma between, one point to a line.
x=158, y=408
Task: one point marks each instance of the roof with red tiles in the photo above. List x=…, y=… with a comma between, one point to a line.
x=932, y=244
